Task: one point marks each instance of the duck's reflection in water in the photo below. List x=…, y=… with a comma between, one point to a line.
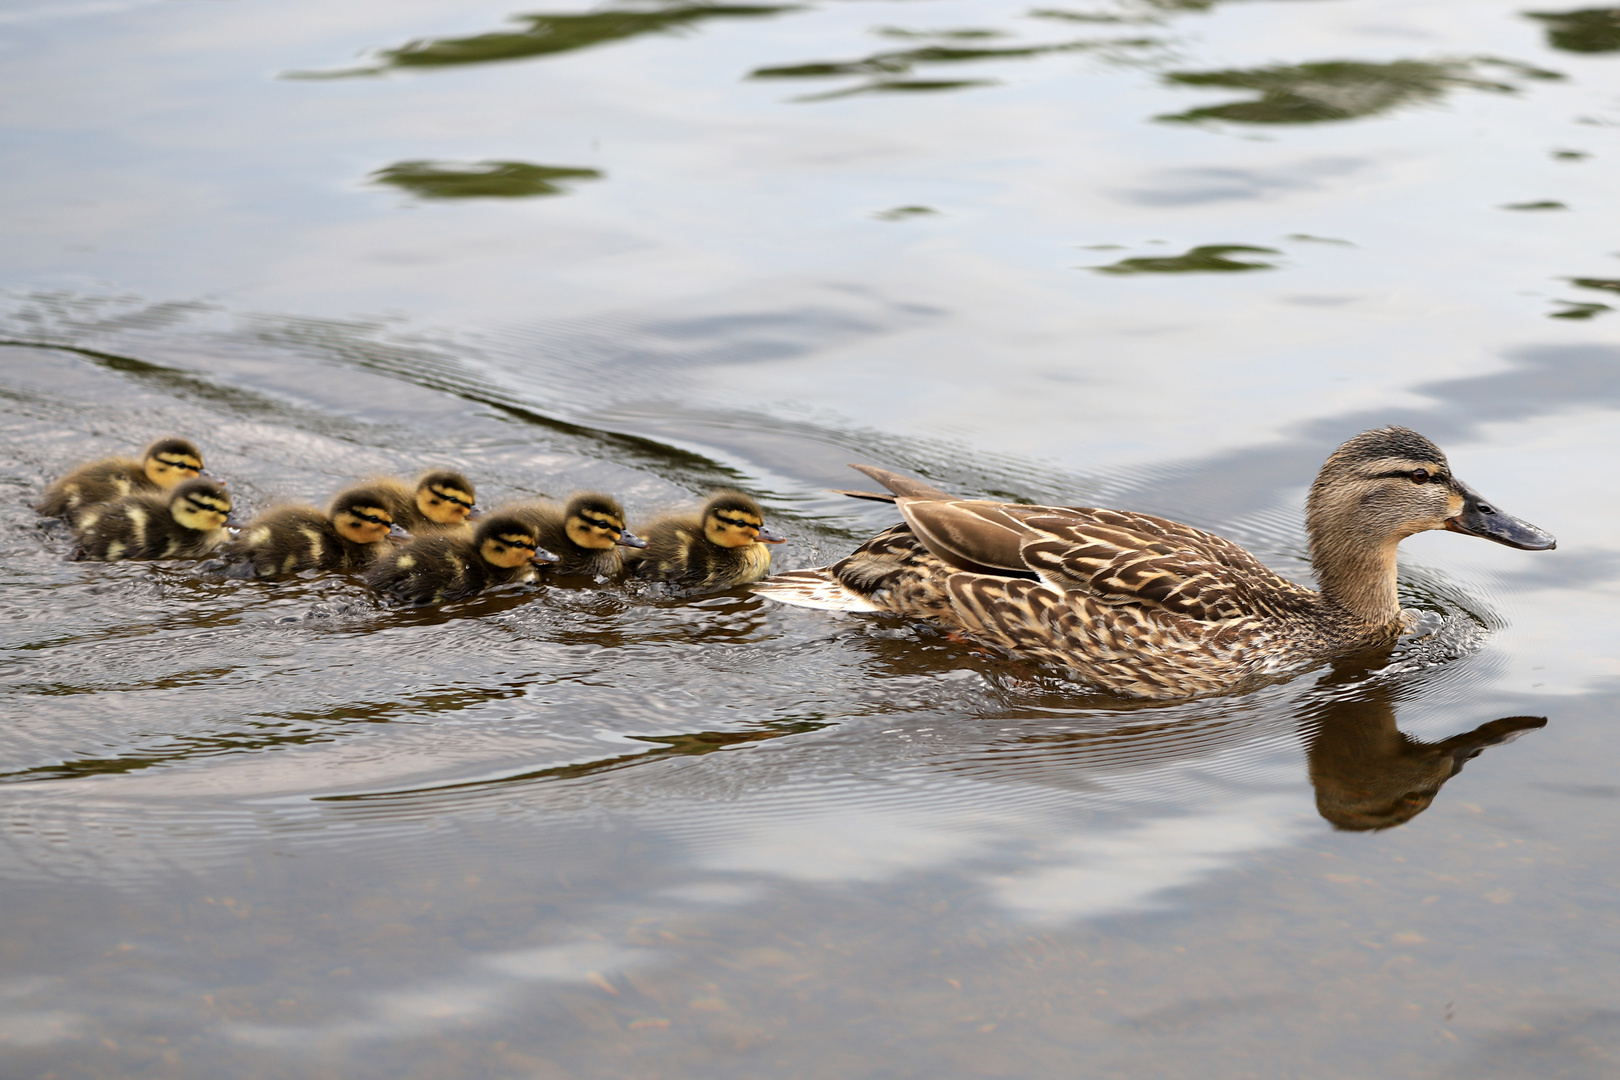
x=1369, y=774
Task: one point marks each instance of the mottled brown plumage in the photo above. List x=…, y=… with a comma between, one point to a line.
x=1151, y=608
x=349, y=536
x=187, y=522
x=436, y=569
x=720, y=548
x=586, y=535
x=165, y=463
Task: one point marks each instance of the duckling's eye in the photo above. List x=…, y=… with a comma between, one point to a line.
x=1420, y=476
x=441, y=496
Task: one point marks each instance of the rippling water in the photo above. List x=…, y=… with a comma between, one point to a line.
x=1156, y=254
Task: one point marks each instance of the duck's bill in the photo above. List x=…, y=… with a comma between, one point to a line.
x=1480, y=518
x=630, y=539
x=396, y=531
x=541, y=556
x=770, y=536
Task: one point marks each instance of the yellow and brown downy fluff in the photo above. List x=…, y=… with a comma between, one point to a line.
x=502, y=550
x=350, y=536
x=720, y=548
x=1150, y=608
x=167, y=462
x=440, y=501
x=187, y=522
x=585, y=535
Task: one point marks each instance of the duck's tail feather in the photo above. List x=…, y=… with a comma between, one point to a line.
x=908, y=486
x=875, y=496
x=813, y=589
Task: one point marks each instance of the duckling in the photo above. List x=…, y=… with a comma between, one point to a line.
x=502, y=550
x=185, y=523
x=586, y=534
x=1150, y=608
x=720, y=548
x=440, y=501
x=350, y=536
x=165, y=463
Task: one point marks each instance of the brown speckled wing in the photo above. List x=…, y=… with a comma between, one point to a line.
x=1121, y=558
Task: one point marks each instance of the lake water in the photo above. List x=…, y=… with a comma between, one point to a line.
x=1155, y=254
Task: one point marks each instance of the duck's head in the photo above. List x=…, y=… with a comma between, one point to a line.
x=445, y=496
x=1390, y=483
x=597, y=521
x=170, y=461
x=732, y=520
x=360, y=515
x=507, y=541
x=201, y=504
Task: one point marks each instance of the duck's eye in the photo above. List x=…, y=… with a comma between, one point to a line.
x=1420, y=476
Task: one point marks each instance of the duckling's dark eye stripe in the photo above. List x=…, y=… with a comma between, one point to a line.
x=175, y=463
x=449, y=498
x=373, y=518
x=739, y=522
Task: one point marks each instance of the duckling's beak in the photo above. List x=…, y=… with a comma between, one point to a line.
x=770, y=536
x=630, y=539
x=1480, y=518
x=541, y=556
x=396, y=531
x=474, y=513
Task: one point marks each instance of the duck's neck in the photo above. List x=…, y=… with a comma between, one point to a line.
x=1355, y=575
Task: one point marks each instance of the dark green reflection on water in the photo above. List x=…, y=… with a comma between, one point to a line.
x=1205, y=259
x=1586, y=309
x=480, y=180
x=1579, y=309
x=547, y=35
x=884, y=66
x=1589, y=30
x=885, y=63
x=1340, y=89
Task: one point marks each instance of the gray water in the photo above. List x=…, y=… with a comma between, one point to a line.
x=1155, y=255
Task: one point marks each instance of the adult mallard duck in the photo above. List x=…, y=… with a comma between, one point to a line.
x=351, y=535
x=586, y=534
x=165, y=463
x=720, y=548
x=1150, y=608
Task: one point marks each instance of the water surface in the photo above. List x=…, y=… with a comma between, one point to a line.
x=1162, y=256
